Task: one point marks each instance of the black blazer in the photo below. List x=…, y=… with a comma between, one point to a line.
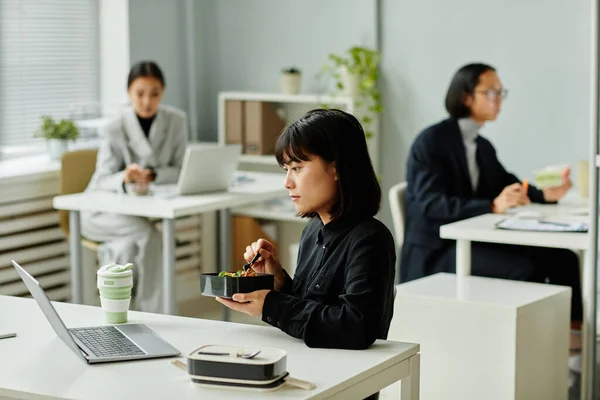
x=439, y=191
x=342, y=294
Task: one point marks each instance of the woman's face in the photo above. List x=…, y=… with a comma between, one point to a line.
x=312, y=185
x=145, y=94
x=486, y=99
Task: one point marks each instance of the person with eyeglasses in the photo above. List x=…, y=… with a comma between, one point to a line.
x=453, y=173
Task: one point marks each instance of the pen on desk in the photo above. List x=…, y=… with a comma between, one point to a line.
x=7, y=335
x=553, y=223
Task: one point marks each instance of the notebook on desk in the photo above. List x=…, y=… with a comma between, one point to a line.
x=536, y=225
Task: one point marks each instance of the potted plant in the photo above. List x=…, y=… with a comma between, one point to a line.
x=57, y=135
x=291, y=78
x=355, y=74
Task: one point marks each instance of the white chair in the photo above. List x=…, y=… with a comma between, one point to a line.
x=396, y=197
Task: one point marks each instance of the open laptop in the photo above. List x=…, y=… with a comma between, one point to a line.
x=205, y=168
x=100, y=343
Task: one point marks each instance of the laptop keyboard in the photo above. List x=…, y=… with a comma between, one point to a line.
x=106, y=341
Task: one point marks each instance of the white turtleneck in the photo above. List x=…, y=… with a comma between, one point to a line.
x=469, y=130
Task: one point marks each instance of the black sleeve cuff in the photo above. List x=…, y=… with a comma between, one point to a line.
x=272, y=309
x=153, y=173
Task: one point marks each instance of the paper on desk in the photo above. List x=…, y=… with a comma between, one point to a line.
x=517, y=224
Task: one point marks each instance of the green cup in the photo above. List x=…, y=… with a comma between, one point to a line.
x=115, y=283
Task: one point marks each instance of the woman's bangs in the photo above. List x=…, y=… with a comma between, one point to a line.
x=289, y=149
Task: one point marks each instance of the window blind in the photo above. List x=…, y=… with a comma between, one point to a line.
x=48, y=63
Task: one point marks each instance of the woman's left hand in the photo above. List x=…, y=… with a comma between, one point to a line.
x=249, y=303
x=557, y=193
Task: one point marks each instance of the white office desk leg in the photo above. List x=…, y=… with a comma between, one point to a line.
x=463, y=266
x=588, y=327
x=463, y=257
x=76, y=262
x=169, y=266
x=409, y=386
x=225, y=238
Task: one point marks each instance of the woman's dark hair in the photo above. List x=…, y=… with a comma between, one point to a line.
x=463, y=84
x=145, y=69
x=335, y=136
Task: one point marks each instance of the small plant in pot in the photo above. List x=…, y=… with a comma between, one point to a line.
x=291, y=79
x=355, y=74
x=57, y=135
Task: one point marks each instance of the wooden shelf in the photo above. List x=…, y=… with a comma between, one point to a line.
x=259, y=159
x=263, y=212
x=286, y=98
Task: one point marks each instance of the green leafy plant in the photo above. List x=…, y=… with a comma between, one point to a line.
x=64, y=129
x=291, y=70
x=363, y=63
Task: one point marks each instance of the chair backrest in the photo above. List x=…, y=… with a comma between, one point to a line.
x=396, y=198
x=77, y=168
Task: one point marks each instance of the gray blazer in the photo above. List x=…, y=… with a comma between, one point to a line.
x=124, y=143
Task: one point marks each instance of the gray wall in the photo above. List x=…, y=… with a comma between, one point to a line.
x=542, y=52
x=245, y=44
x=157, y=32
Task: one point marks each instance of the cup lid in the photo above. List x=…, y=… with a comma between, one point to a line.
x=116, y=269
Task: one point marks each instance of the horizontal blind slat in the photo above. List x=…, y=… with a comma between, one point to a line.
x=48, y=61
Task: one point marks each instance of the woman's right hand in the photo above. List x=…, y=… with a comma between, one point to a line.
x=512, y=196
x=268, y=263
x=135, y=173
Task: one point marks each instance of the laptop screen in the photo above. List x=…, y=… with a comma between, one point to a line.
x=51, y=315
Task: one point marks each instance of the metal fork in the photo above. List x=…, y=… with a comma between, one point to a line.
x=251, y=263
x=247, y=356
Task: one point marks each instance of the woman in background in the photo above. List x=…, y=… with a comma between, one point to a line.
x=453, y=173
x=144, y=144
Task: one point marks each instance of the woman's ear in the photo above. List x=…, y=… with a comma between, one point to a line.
x=333, y=170
x=467, y=99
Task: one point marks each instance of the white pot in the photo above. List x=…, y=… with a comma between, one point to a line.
x=290, y=83
x=350, y=82
x=56, y=148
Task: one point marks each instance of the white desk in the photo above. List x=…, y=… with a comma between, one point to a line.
x=37, y=365
x=481, y=229
x=266, y=186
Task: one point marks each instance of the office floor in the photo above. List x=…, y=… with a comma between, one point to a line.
x=208, y=308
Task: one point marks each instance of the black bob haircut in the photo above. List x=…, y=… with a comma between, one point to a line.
x=144, y=69
x=463, y=84
x=336, y=137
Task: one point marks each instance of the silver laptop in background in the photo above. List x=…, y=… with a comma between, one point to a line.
x=100, y=344
x=205, y=168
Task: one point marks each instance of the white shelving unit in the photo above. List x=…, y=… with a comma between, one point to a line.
x=311, y=99
x=293, y=107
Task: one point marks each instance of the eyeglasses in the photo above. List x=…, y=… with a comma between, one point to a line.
x=492, y=94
